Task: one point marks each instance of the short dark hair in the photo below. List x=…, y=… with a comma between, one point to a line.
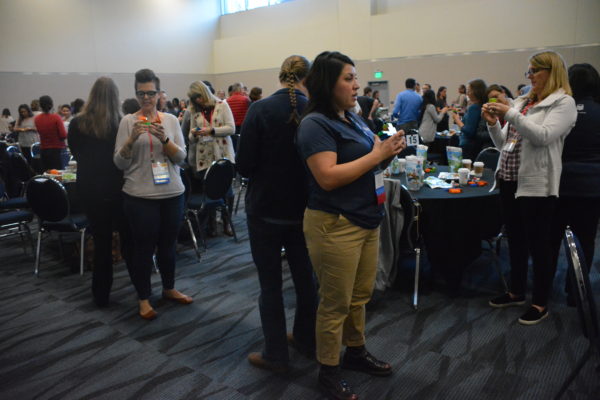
x=320, y=81
x=77, y=105
x=584, y=81
x=130, y=106
x=367, y=90
x=440, y=90
x=210, y=86
x=5, y=112
x=410, y=83
x=146, y=75
x=46, y=103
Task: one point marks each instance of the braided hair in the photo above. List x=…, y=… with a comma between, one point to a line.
x=293, y=70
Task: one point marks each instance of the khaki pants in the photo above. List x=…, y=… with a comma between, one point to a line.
x=344, y=257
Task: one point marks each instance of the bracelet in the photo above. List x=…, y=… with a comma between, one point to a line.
x=166, y=141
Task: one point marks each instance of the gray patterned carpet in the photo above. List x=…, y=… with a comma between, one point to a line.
x=55, y=344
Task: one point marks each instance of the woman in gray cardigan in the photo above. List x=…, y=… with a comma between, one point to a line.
x=528, y=175
x=149, y=148
x=430, y=117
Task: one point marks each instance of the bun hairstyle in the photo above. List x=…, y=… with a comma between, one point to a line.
x=293, y=70
x=46, y=103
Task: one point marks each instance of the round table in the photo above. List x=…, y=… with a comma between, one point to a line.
x=453, y=225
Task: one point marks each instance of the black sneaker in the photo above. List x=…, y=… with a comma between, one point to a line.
x=506, y=301
x=533, y=316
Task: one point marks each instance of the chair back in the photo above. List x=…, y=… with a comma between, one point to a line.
x=218, y=179
x=20, y=167
x=582, y=289
x=410, y=230
x=187, y=183
x=36, y=150
x=48, y=198
x=13, y=150
x=489, y=156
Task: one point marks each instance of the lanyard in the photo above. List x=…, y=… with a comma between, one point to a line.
x=357, y=127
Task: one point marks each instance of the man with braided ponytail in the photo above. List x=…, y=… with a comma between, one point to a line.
x=275, y=201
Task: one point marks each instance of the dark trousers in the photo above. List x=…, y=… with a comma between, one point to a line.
x=581, y=214
x=528, y=222
x=154, y=226
x=52, y=159
x=105, y=216
x=26, y=151
x=266, y=240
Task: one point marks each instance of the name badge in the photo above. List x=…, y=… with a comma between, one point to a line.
x=207, y=139
x=379, y=188
x=509, y=146
x=412, y=140
x=160, y=173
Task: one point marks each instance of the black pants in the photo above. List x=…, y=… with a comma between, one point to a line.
x=154, y=225
x=581, y=214
x=529, y=222
x=266, y=240
x=105, y=216
x=52, y=159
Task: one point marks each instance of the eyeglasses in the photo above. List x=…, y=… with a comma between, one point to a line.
x=532, y=71
x=149, y=93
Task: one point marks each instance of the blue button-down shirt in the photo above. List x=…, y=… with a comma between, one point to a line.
x=407, y=106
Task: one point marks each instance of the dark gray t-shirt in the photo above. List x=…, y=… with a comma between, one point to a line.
x=356, y=201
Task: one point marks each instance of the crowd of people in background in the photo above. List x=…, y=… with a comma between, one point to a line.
x=314, y=163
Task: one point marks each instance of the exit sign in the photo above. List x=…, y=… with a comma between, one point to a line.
x=378, y=74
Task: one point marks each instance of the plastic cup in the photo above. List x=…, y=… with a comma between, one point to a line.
x=463, y=176
x=478, y=169
x=466, y=163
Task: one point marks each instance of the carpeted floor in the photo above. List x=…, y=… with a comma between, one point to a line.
x=55, y=344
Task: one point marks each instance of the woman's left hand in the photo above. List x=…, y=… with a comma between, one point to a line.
x=497, y=109
x=205, y=131
x=158, y=131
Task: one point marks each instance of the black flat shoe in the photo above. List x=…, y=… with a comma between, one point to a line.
x=335, y=387
x=365, y=362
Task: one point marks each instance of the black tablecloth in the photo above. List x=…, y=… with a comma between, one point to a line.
x=453, y=225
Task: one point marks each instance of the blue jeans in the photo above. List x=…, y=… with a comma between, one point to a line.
x=266, y=240
x=154, y=226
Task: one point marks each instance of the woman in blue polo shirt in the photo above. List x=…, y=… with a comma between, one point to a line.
x=341, y=222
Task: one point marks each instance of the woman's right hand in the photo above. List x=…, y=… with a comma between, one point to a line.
x=389, y=147
x=487, y=114
x=139, y=128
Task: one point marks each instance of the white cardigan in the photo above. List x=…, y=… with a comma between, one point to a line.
x=203, y=153
x=543, y=131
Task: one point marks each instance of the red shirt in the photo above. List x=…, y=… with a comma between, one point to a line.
x=51, y=130
x=239, y=107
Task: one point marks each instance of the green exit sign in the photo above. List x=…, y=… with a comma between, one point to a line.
x=378, y=74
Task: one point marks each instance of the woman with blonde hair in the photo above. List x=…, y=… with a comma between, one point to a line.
x=528, y=175
x=211, y=127
x=92, y=137
x=275, y=201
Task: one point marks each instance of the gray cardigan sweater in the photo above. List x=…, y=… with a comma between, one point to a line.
x=543, y=132
x=137, y=170
x=429, y=123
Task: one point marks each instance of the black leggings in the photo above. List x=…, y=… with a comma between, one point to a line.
x=529, y=222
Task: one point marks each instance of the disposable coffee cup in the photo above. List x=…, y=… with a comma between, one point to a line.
x=466, y=163
x=401, y=165
x=463, y=176
x=478, y=168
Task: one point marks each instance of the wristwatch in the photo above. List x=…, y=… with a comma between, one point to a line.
x=166, y=141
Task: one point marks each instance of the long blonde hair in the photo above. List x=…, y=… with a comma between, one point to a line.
x=558, y=79
x=101, y=114
x=198, y=88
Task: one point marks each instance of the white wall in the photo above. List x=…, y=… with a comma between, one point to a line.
x=183, y=40
x=67, y=44
x=376, y=29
